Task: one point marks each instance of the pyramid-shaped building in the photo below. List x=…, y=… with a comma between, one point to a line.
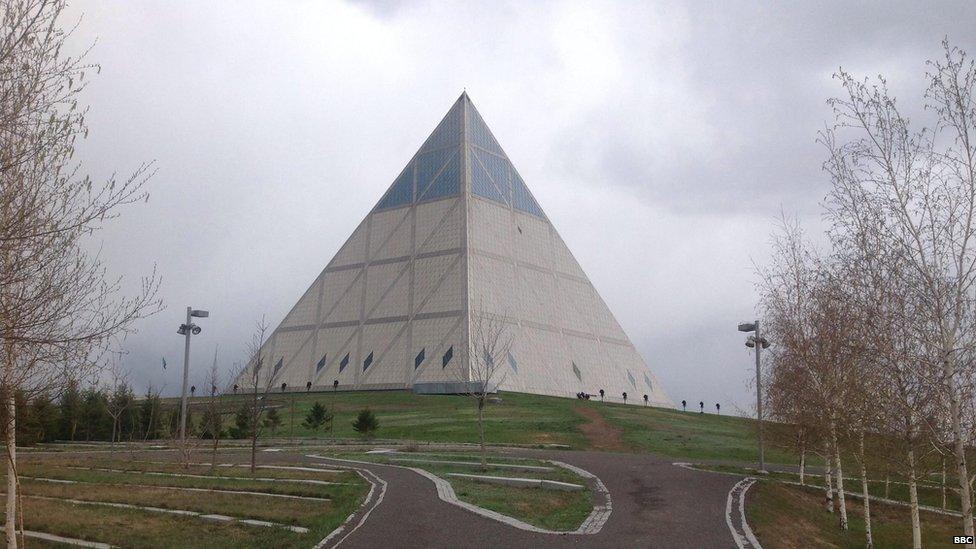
x=456, y=236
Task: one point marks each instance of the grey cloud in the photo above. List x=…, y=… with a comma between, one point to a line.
x=661, y=139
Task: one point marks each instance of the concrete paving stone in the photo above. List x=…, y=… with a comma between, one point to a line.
x=522, y=482
x=217, y=518
x=508, y=466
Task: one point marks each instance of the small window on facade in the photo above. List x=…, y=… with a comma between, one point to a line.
x=631, y=378
x=647, y=380
x=420, y=359
x=277, y=366
x=344, y=362
x=447, y=357
x=320, y=364
x=519, y=229
x=576, y=371
x=368, y=361
x=512, y=363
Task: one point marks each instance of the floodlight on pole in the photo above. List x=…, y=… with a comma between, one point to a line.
x=759, y=343
x=186, y=330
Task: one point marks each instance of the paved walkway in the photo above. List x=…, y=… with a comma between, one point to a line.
x=655, y=504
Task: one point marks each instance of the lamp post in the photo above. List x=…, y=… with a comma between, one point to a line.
x=335, y=387
x=759, y=343
x=186, y=330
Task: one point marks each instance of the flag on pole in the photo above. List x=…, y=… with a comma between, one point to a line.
x=164, y=363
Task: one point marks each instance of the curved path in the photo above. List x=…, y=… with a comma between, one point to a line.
x=655, y=504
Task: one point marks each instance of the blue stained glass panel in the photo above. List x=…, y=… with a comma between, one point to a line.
x=512, y=363
x=647, y=380
x=497, y=168
x=428, y=166
x=481, y=183
x=277, y=367
x=344, y=362
x=576, y=371
x=632, y=381
x=448, y=183
x=368, y=361
x=522, y=199
x=320, y=364
x=448, y=132
x=420, y=359
x=447, y=357
x=479, y=134
x=401, y=192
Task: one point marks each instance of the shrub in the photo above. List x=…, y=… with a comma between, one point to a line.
x=366, y=423
x=272, y=420
x=242, y=422
x=317, y=417
x=210, y=424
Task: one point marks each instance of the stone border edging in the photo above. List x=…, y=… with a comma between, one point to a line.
x=745, y=539
x=180, y=512
x=591, y=525
x=61, y=539
x=521, y=482
x=508, y=466
x=183, y=488
x=379, y=482
x=600, y=513
x=191, y=475
x=856, y=495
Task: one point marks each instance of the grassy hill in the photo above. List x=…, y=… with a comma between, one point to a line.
x=525, y=419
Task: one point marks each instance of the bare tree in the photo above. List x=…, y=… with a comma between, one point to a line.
x=213, y=415
x=807, y=319
x=58, y=310
x=490, y=341
x=918, y=188
x=119, y=399
x=258, y=383
x=152, y=417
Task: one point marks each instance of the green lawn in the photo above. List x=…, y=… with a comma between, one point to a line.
x=929, y=493
x=523, y=419
x=144, y=528
x=551, y=509
x=689, y=434
x=519, y=418
x=788, y=517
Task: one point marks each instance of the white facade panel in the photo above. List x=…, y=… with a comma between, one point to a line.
x=354, y=250
x=336, y=285
x=383, y=227
x=438, y=225
x=303, y=313
x=386, y=290
x=387, y=343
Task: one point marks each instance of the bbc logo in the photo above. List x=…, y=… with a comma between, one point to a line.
x=962, y=540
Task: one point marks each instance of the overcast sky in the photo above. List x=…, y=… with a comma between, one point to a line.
x=661, y=139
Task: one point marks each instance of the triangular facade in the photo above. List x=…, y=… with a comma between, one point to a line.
x=457, y=233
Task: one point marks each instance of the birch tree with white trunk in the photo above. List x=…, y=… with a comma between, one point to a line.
x=921, y=183
x=59, y=311
x=812, y=324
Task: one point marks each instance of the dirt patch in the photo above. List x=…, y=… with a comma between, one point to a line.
x=600, y=433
